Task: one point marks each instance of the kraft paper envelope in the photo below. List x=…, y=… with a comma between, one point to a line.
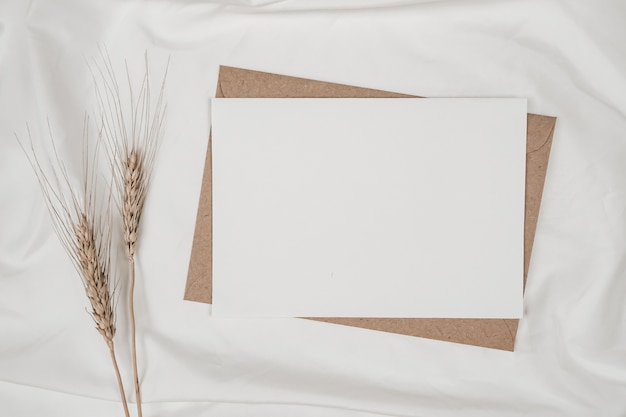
x=491, y=333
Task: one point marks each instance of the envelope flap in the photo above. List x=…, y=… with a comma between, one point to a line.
x=540, y=131
x=490, y=333
x=240, y=83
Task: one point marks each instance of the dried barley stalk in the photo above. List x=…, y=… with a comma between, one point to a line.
x=132, y=129
x=82, y=224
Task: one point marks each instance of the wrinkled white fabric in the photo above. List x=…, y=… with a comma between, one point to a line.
x=568, y=57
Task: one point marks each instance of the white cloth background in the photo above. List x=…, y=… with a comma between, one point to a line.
x=568, y=57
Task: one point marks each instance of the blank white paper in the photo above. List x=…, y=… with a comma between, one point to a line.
x=368, y=207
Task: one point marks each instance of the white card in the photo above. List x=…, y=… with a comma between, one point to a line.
x=368, y=207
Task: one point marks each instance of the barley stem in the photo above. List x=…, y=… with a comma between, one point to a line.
x=131, y=303
x=119, y=378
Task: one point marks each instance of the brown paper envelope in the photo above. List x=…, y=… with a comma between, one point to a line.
x=491, y=333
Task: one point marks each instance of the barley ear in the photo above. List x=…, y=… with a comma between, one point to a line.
x=95, y=276
x=133, y=199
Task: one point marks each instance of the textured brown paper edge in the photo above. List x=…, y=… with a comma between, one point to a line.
x=491, y=333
